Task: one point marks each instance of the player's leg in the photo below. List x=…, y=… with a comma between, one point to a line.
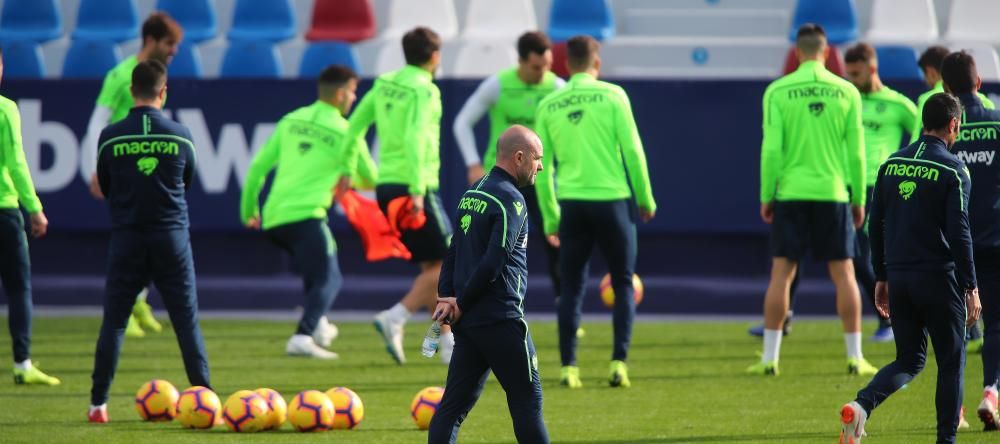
x=946, y=325
x=758, y=330
x=174, y=276
x=467, y=375
x=576, y=243
x=617, y=241
x=515, y=364
x=988, y=279
x=865, y=276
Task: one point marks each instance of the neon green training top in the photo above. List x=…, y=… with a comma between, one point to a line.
x=589, y=140
x=15, y=177
x=886, y=115
x=405, y=106
x=922, y=99
x=813, y=146
x=115, y=91
x=303, y=148
x=516, y=105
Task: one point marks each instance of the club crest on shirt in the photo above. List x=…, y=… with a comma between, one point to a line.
x=906, y=189
x=465, y=223
x=147, y=165
x=816, y=108
x=575, y=117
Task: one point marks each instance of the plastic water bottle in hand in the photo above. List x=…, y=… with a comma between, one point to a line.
x=431, y=340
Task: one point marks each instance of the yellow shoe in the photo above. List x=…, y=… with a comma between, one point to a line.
x=132, y=329
x=580, y=333
x=618, y=376
x=860, y=367
x=142, y=312
x=764, y=369
x=33, y=376
x=570, y=377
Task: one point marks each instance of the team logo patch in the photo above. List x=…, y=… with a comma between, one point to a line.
x=816, y=108
x=880, y=108
x=575, y=117
x=147, y=165
x=907, y=188
x=465, y=223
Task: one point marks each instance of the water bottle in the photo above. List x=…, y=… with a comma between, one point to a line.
x=431, y=340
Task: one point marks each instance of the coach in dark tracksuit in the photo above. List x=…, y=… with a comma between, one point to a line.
x=922, y=255
x=145, y=164
x=481, y=293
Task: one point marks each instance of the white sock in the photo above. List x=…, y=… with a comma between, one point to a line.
x=399, y=312
x=23, y=365
x=772, y=345
x=853, y=343
x=991, y=388
x=97, y=407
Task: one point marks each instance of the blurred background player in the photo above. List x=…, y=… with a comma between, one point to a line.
x=813, y=146
x=922, y=253
x=930, y=64
x=511, y=97
x=161, y=36
x=977, y=145
x=145, y=164
x=405, y=106
x=15, y=262
x=303, y=150
x=590, y=133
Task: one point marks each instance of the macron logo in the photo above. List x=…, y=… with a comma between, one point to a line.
x=977, y=157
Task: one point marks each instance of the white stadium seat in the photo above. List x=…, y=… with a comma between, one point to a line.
x=491, y=19
x=974, y=21
x=482, y=58
x=405, y=15
x=895, y=21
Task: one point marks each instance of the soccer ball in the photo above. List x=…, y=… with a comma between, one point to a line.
x=198, y=408
x=424, y=405
x=278, y=409
x=311, y=411
x=238, y=394
x=156, y=400
x=246, y=413
x=347, y=406
x=608, y=293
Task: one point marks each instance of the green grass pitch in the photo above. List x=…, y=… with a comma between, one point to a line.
x=687, y=378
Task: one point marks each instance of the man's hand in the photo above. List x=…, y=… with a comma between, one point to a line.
x=767, y=212
x=39, y=225
x=253, y=223
x=882, y=298
x=859, y=216
x=646, y=215
x=476, y=172
x=342, y=187
x=972, y=306
x=95, y=187
x=553, y=240
x=418, y=204
x=447, y=311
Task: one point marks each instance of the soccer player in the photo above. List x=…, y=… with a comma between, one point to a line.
x=405, y=106
x=145, y=164
x=922, y=254
x=812, y=147
x=15, y=262
x=482, y=288
x=511, y=97
x=930, y=64
x=302, y=149
x=161, y=36
x=977, y=143
x=591, y=135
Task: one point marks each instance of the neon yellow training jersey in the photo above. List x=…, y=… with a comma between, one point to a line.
x=922, y=99
x=516, y=105
x=886, y=115
x=15, y=177
x=115, y=92
x=813, y=147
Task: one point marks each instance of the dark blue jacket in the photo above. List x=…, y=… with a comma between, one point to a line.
x=977, y=145
x=486, y=267
x=919, y=217
x=145, y=163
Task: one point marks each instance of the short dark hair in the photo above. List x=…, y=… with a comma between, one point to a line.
x=419, y=45
x=958, y=70
x=532, y=42
x=160, y=25
x=861, y=52
x=939, y=110
x=581, y=51
x=148, y=77
x=333, y=78
x=933, y=57
x=810, y=39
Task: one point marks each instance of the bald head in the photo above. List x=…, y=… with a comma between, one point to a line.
x=519, y=152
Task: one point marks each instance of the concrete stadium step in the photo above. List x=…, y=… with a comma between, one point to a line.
x=705, y=22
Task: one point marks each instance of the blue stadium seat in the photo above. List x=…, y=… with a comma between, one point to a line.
x=36, y=20
x=251, y=58
x=272, y=20
x=574, y=17
x=90, y=59
x=898, y=63
x=22, y=60
x=319, y=55
x=114, y=20
x=186, y=63
x=838, y=18
x=197, y=17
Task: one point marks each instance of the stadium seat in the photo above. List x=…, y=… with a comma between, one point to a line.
x=197, y=17
x=187, y=62
x=319, y=55
x=834, y=61
x=35, y=20
x=390, y=57
x=838, y=18
x=342, y=20
x=898, y=63
x=114, y=20
x=251, y=58
x=559, y=60
x=903, y=21
x=490, y=19
x=568, y=18
x=987, y=61
x=482, y=58
x=22, y=60
x=271, y=20
x=438, y=15
x=974, y=21
x=90, y=59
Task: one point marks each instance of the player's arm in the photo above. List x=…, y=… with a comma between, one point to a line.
x=957, y=231
x=365, y=172
x=771, y=150
x=855, y=144
x=357, y=127
x=545, y=180
x=265, y=160
x=635, y=158
x=918, y=126
x=876, y=228
x=103, y=165
x=910, y=120
x=17, y=167
x=417, y=119
x=504, y=227
x=446, y=280
x=190, y=166
x=475, y=107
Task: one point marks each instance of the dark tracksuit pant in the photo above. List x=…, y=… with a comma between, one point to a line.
x=505, y=348
x=988, y=277
x=314, y=255
x=922, y=303
x=137, y=258
x=535, y=224
x=15, y=272
x=611, y=226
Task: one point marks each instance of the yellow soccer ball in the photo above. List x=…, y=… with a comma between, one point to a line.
x=608, y=293
x=278, y=409
x=311, y=411
x=347, y=406
x=246, y=414
x=198, y=408
x=156, y=400
x=424, y=405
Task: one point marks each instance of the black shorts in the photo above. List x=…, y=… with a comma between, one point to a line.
x=430, y=242
x=826, y=228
